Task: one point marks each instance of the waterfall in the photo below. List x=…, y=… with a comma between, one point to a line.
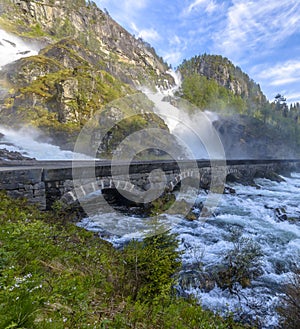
x=27, y=142
x=13, y=48
x=186, y=122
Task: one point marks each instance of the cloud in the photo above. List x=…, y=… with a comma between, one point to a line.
x=257, y=26
x=195, y=4
x=281, y=73
x=247, y=32
x=174, y=57
x=293, y=97
x=124, y=11
x=208, y=5
x=211, y=7
x=128, y=5
x=175, y=40
x=134, y=5
x=149, y=35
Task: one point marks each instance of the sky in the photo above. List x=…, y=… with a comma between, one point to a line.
x=261, y=37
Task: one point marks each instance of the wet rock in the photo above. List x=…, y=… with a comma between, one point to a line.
x=196, y=278
x=14, y=158
x=229, y=190
x=293, y=219
x=10, y=42
x=273, y=176
x=191, y=216
x=281, y=214
x=183, y=207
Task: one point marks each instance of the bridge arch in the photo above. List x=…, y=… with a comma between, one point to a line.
x=82, y=192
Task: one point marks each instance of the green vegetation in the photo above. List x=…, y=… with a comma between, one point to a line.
x=241, y=264
x=55, y=98
x=212, y=82
x=208, y=94
x=244, y=94
x=126, y=127
x=56, y=275
x=290, y=303
x=89, y=61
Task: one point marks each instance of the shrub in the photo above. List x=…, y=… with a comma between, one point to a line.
x=150, y=266
x=241, y=264
x=290, y=308
x=54, y=274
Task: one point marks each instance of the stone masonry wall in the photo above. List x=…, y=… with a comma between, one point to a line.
x=44, y=186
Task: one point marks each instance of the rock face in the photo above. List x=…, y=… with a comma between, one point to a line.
x=245, y=138
x=14, y=158
x=87, y=60
x=67, y=91
x=226, y=74
x=124, y=56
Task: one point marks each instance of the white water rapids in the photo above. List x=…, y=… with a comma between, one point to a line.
x=13, y=48
x=250, y=209
x=254, y=211
x=27, y=142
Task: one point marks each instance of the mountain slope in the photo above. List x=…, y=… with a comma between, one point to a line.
x=222, y=71
x=116, y=51
x=86, y=61
x=249, y=126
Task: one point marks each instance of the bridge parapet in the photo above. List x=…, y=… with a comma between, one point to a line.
x=49, y=182
x=24, y=183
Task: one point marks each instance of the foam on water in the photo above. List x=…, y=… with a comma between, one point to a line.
x=26, y=141
x=13, y=48
x=279, y=240
x=254, y=211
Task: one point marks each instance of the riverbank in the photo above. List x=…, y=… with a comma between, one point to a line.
x=56, y=275
x=240, y=259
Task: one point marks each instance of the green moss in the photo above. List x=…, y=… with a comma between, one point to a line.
x=8, y=25
x=36, y=31
x=39, y=102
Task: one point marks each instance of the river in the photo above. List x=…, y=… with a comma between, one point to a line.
x=265, y=216
x=254, y=212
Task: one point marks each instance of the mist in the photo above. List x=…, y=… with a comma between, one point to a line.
x=192, y=127
x=30, y=142
x=13, y=48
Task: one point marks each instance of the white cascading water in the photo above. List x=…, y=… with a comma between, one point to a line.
x=194, y=129
x=13, y=48
x=251, y=210
x=25, y=140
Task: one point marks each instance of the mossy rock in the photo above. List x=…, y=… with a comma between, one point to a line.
x=27, y=70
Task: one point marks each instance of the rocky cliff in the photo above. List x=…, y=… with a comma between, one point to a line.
x=249, y=126
x=85, y=61
x=222, y=70
x=114, y=49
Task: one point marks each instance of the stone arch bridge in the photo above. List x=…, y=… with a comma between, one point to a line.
x=45, y=182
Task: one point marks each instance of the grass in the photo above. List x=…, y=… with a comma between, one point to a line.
x=56, y=275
